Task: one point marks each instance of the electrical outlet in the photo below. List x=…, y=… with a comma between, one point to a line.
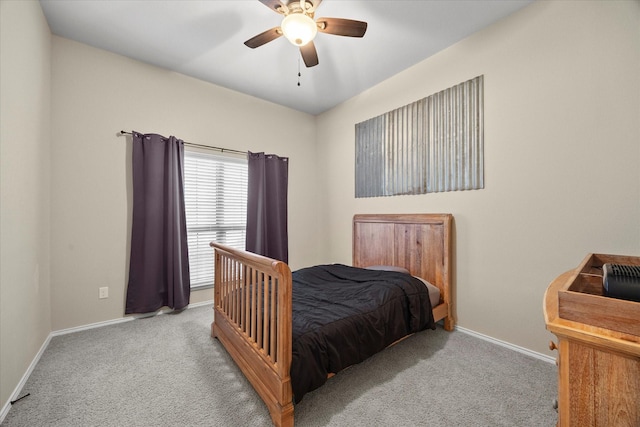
x=104, y=293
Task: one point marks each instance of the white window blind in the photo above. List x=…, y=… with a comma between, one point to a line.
x=215, y=193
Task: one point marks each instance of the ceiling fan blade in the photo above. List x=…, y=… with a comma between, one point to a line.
x=342, y=27
x=274, y=5
x=264, y=37
x=309, y=54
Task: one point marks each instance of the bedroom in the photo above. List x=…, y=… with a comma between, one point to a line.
x=561, y=130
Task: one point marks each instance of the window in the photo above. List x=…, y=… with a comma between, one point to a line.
x=215, y=194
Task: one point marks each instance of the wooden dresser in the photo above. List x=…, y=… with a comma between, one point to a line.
x=598, y=348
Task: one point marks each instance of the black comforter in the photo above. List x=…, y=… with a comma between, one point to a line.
x=342, y=315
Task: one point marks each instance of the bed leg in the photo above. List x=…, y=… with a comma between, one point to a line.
x=449, y=324
x=282, y=417
x=213, y=330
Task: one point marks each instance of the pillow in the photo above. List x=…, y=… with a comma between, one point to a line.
x=388, y=268
x=434, y=292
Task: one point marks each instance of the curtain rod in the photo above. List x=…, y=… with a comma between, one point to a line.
x=191, y=144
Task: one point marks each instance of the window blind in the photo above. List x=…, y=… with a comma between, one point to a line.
x=215, y=193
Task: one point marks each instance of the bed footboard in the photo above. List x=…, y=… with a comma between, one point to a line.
x=252, y=319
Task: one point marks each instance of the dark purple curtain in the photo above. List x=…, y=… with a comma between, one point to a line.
x=267, y=206
x=159, y=261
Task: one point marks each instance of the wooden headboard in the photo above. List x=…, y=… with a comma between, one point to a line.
x=420, y=243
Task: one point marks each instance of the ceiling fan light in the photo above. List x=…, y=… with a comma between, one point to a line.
x=298, y=28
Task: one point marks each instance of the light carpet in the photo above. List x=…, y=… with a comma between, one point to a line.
x=167, y=370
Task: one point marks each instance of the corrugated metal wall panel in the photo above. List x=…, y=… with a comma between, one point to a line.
x=431, y=145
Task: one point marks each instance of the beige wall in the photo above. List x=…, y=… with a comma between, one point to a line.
x=96, y=94
x=25, y=86
x=562, y=148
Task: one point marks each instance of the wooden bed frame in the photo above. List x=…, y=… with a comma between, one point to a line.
x=252, y=295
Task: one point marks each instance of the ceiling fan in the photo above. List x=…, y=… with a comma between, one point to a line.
x=300, y=29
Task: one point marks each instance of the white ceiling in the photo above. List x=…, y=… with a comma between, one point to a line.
x=204, y=39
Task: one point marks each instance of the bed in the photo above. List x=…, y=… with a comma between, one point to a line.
x=254, y=300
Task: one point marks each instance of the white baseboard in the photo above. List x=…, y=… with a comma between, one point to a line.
x=91, y=326
x=164, y=310
x=508, y=345
x=16, y=392
x=200, y=304
x=36, y=359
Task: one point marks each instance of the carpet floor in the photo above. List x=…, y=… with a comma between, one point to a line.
x=167, y=370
